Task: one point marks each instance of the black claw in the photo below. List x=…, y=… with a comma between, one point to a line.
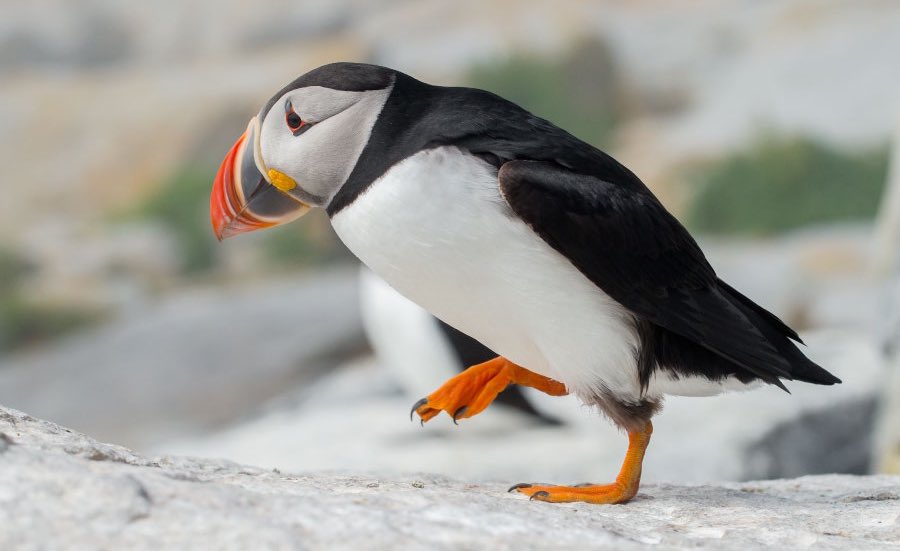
x=459, y=412
x=541, y=494
x=519, y=485
x=416, y=406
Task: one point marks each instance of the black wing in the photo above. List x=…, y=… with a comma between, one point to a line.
x=621, y=237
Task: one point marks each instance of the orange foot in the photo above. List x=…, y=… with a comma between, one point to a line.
x=623, y=489
x=470, y=392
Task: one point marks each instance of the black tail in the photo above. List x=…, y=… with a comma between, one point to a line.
x=780, y=335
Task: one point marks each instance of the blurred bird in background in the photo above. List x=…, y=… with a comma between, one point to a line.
x=405, y=338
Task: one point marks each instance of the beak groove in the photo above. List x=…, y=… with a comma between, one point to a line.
x=242, y=199
x=222, y=203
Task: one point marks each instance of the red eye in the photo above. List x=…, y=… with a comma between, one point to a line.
x=293, y=120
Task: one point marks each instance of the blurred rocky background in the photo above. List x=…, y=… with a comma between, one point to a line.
x=765, y=125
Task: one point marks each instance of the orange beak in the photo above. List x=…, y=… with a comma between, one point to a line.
x=242, y=199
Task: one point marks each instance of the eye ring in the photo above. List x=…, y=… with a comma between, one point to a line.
x=294, y=123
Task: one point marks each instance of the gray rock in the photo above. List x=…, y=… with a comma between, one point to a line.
x=193, y=361
x=795, y=448
x=60, y=489
x=887, y=440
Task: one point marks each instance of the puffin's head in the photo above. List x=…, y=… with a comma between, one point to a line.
x=300, y=149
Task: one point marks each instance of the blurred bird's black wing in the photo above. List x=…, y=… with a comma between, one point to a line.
x=622, y=238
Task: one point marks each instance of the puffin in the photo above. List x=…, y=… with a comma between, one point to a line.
x=506, y=227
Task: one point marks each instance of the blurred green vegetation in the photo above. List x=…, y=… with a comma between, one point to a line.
x=580, y=91
x=182, y=206
x=306, y=242
x=12, y=269
x=782, y=183
x=26, y=321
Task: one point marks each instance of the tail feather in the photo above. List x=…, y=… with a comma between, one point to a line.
x=780, y=336
x=782, y=327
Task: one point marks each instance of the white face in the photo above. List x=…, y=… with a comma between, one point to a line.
x=321, y=157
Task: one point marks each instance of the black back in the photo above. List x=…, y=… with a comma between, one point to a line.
x=420, y=116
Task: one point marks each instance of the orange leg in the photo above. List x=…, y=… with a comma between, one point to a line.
x=623, y=489
x=470, y=392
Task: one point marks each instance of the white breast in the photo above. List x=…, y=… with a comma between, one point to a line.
x=436, y=229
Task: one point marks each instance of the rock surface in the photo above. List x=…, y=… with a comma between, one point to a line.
x=60, y=489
